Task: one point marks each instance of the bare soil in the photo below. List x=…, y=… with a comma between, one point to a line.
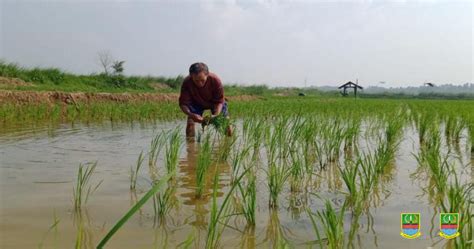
x=55, y=97
x=6, y=82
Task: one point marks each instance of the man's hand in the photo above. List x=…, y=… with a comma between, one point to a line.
x=196, y=117
x=217, y=110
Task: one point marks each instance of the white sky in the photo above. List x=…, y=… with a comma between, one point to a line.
x=249, y=42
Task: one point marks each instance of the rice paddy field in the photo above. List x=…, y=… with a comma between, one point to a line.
x=298, y=173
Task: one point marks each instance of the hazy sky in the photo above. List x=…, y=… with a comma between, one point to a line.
x=249, y=42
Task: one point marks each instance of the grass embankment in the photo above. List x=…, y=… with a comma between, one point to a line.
x=15, y=77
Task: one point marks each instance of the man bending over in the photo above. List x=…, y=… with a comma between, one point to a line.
x=201, y=90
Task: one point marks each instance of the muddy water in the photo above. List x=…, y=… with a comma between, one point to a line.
x=38, y=169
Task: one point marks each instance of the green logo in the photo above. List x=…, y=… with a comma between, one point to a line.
x=410, y=224
x=449, y=224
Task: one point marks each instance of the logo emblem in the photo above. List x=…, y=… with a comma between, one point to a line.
x=449, y=223
x=410, y=225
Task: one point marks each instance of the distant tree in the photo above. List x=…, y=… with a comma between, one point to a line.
x=118, y=67
x=105, y=60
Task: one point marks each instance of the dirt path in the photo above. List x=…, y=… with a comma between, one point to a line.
x=51, y=98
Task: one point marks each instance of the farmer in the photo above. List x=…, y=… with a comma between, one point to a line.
x=201, y=90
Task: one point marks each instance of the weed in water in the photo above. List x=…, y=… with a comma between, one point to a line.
x=134, y=171
x=83, y=189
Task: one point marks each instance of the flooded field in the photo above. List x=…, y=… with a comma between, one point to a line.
x=38, y=171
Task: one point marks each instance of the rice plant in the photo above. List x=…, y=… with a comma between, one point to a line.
x=430, y=157
x=172, y=150
x=133, y=210
x=219, y=214
x=220, y=123
x=83, y=189
x=351, y=132
x=296, y=171
x=204, y=161
x=453, y=127
x=277, y=174
x=226, y=147
x=349, y=176
x=393, y=131
x=54, y=227
x=163, y=203
x=332, y=225
x=249, y=196
x=459, y=199
x=157, y=144
x=238, y=160
x=422, y=121
x=134, y=171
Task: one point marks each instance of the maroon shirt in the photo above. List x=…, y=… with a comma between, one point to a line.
x=207, y=97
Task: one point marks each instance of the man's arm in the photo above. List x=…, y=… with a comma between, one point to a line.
x=218, y=109
x=218, y=97
x=185, y=101
x=196, y=117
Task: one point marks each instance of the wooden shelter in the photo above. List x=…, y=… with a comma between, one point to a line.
x=350, y=84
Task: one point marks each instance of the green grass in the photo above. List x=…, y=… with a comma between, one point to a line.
x=54, y=79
